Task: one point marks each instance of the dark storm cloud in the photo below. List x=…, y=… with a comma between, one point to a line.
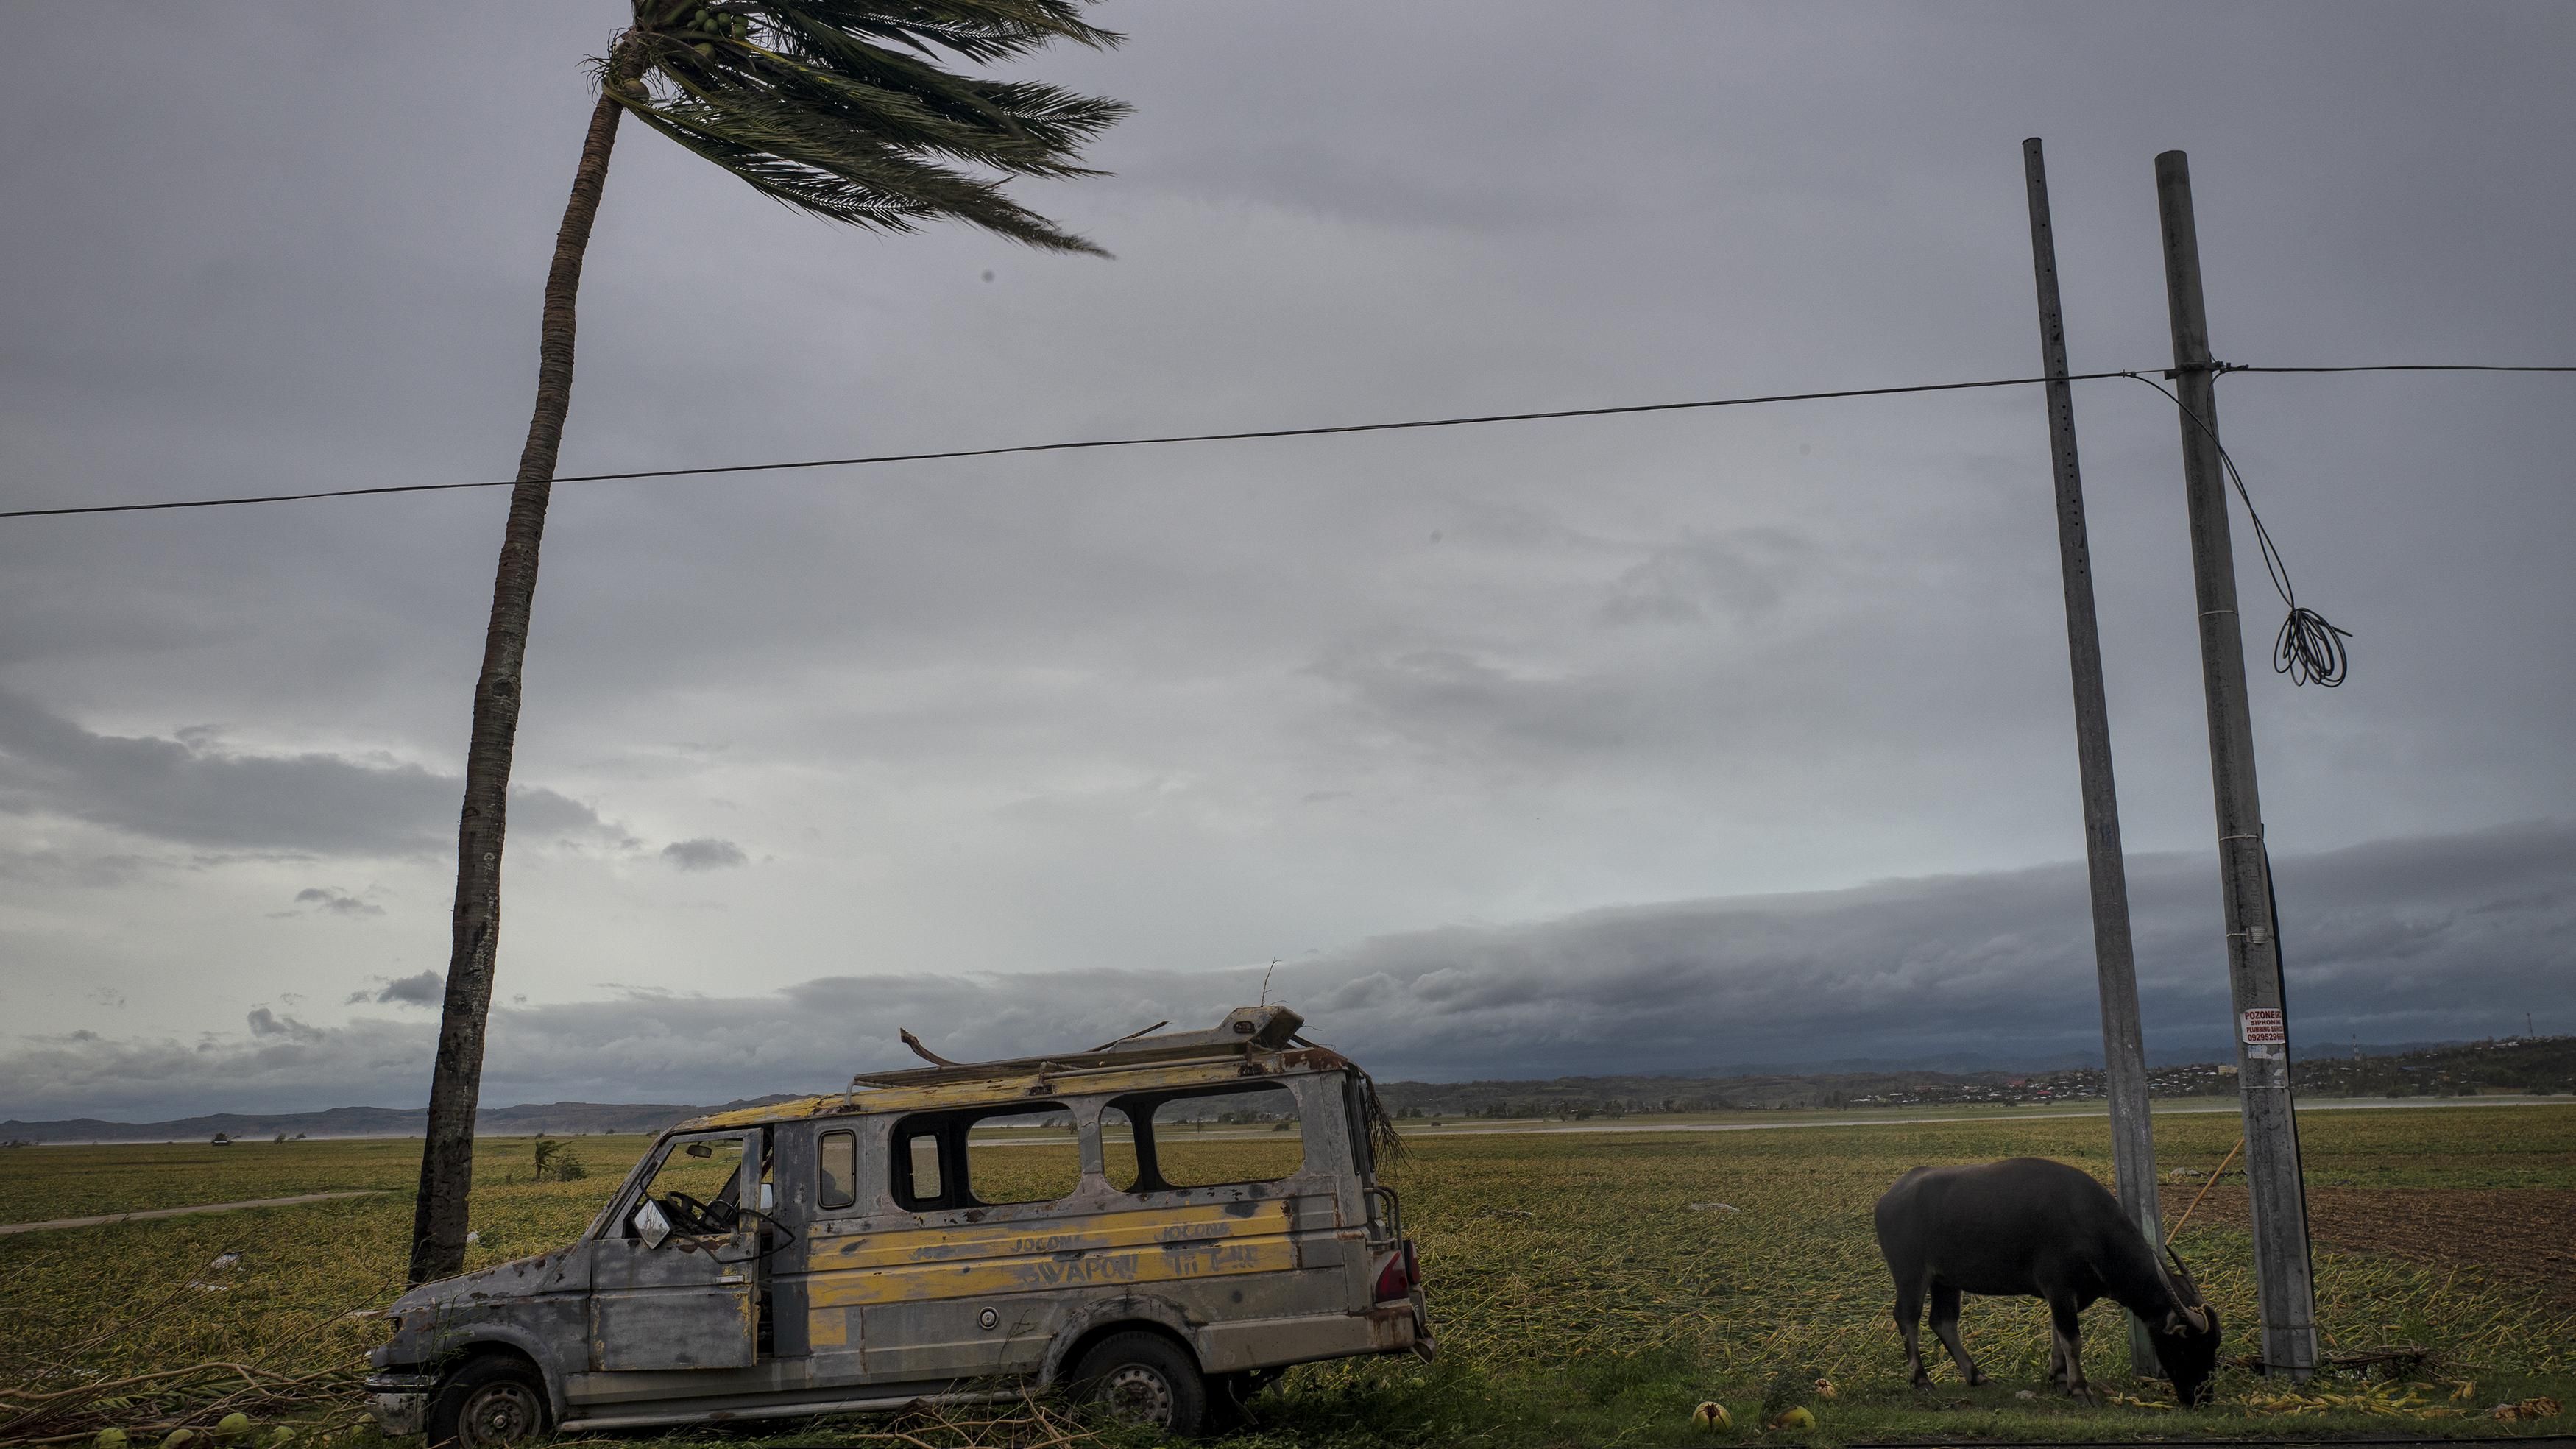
x=2394, y=941
x=63, y=868
x=1695, y=580
x=267, y=1025
x=428, y=988
x=704, y=853
x=189, y=791
x=330, y=901
x=2385, y=942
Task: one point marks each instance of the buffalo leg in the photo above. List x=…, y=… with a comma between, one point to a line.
x=1945, y=1325
x=2065, y=1331
x=1909, y=1323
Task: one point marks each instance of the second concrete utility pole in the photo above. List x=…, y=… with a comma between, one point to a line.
x=2283, y=1280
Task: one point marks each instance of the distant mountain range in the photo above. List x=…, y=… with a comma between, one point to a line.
x=2544, y=1064
x=558, y=1118
x=2159, y=1054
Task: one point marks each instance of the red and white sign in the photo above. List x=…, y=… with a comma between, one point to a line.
x=2263, y=1027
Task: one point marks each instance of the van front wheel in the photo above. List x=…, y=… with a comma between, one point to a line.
x=492, y=1402
x=1143, y=1378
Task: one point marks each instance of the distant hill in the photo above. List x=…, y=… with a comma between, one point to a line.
x=2512, y=1064
x=2515, y=1064
x=559, y=1118
x=2545, y=1064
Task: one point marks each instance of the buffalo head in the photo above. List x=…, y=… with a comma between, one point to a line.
x=2186, y=1342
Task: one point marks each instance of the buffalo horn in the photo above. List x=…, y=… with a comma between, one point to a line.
x=2189, y=1292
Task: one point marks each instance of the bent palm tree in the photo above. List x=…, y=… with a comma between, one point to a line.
x=835, y=107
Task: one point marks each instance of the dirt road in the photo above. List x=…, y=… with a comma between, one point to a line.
x=104, y=1219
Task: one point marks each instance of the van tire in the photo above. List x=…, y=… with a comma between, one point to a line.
x=1143, y=1378
x=494, y=1399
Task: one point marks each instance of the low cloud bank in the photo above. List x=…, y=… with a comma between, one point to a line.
x=2421, y=939
x=190, y=791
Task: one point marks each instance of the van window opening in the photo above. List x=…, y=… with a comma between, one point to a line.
x=1205, y=1137
x=1355, y=1107
x=836, y=1170
x=985, y=1157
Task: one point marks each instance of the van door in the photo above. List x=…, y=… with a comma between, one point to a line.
x=677, y=1283
x=964, y=1278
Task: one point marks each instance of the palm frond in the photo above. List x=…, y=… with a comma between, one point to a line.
x=837, y=107
x=976, y=30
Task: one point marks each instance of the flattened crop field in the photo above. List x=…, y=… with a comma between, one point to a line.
x=2516, y=1233
x=1588, y=1288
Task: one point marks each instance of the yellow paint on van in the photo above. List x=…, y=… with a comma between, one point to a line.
x=994, y=1277
x=1092, y=1232
x=828, y=1330
x=1146, y=1245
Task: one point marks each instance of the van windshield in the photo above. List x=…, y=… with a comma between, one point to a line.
x=699, y=1184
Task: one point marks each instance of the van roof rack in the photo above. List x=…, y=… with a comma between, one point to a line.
x=1244, y=1031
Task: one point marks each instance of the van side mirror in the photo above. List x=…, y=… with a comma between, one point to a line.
x=650, y=1225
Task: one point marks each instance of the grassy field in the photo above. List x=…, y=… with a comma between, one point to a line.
x=1588, y=1288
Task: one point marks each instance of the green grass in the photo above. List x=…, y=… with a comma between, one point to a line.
x=1586, y=1288
x=39, y=1184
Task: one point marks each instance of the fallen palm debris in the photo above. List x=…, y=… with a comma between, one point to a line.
x=61, y=1397
x=2412, y=1400
x=2413, y=1355
x=2540, y=1408
x=221, y=1401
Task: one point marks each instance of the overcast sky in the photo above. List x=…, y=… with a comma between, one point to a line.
x=1677, y=741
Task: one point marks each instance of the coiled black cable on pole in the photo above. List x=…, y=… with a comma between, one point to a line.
x=2308, y=649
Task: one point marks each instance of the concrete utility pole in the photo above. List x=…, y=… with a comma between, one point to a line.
x=2283, y=1282
x=2124, y=1052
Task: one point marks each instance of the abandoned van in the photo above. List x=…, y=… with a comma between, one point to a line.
x=1160, y=1226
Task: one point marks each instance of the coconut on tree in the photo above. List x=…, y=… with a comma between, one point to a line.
x=840, y=108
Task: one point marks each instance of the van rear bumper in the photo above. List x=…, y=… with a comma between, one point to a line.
x=1255, y=1343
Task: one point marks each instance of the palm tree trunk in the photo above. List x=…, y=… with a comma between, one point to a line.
x=456, y=1080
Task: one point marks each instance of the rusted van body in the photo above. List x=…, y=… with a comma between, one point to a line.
x=1161, y=1224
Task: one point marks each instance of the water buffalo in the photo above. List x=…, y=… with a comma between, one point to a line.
x=2032, y=1228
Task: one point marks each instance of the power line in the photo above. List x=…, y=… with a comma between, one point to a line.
x=1474, y=420
x=1310, y=432
x=2410, y=367
x=1451, y=422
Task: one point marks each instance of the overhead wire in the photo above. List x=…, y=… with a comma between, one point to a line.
x=2308, y=648
x=1470, y=420
x=2415, y=367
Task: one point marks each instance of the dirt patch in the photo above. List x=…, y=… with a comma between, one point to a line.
x=2518, y=1234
